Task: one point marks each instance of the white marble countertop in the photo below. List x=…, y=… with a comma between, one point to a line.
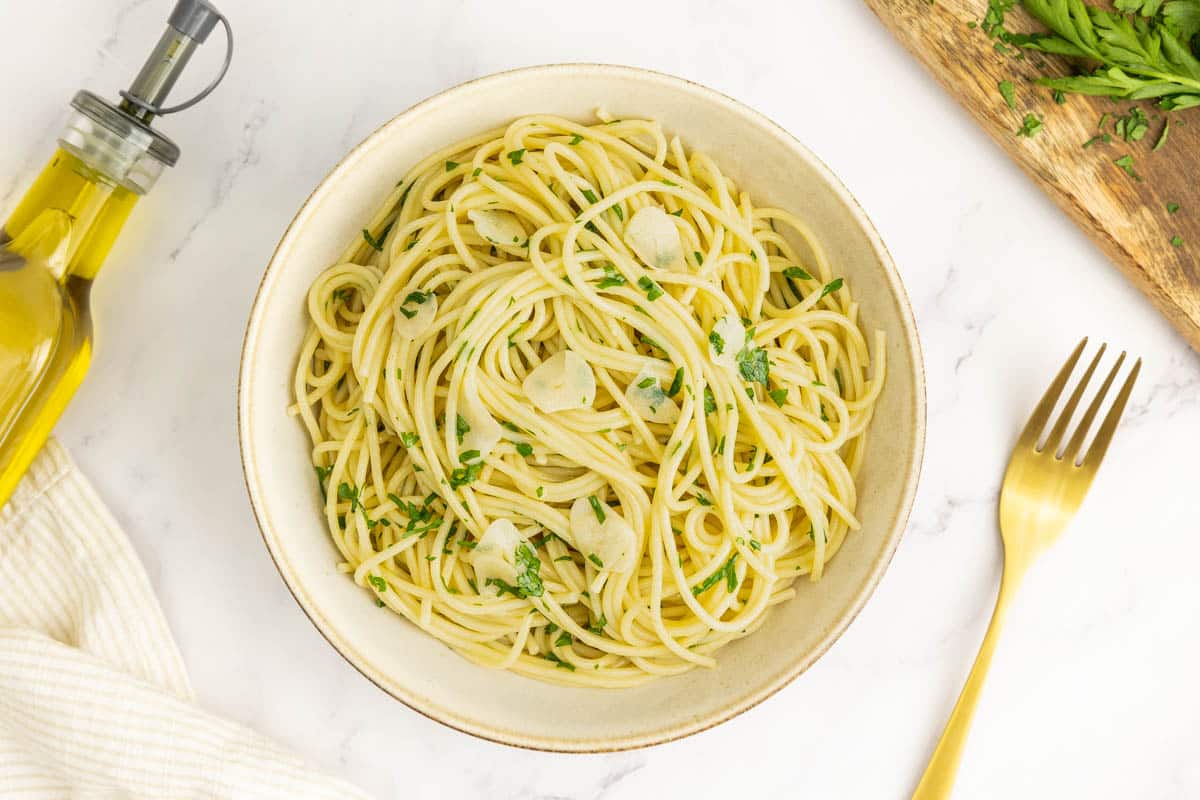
x=1089, y=695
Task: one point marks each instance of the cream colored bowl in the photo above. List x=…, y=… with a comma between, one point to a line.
x=411, y=665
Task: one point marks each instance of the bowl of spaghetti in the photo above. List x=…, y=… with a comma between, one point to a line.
x=581, y=408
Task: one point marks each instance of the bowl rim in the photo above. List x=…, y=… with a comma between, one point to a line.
x=427, y=708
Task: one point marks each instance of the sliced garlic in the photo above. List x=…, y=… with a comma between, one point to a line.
x=495, y=556
x=611, y=542
x=498, y=227
x=726, y=340
x=484, y=432
x=414, y=313
x=653, y=237
x=561, y=382
x=649, y=400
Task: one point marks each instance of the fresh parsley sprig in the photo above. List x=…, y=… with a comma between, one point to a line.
x=1146, y=54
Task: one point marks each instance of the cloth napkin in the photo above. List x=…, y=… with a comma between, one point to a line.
x=94, y=698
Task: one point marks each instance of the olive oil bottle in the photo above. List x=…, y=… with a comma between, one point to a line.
x=54, y=242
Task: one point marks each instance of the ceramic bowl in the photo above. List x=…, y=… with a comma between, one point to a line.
x=417, y=669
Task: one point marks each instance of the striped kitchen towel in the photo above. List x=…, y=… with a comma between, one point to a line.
x=94, y=698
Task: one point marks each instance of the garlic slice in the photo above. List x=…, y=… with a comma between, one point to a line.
x=561, y=382
x=653, y=237
x=649, y=400
x=611, y=542
x=485, y=432
x=494, y=556
x=498, y=227
x=727, y=339
x=414, y=313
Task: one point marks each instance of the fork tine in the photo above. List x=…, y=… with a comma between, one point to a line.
x=1099, y=447
x=1041, y=414
x=1075, y=448
x=1058, y=435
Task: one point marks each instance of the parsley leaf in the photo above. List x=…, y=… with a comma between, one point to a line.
x=597, y=509
x=1030, y=126
x=558, y=662
x=753, y=364
x=516, y=156
x=527, y=571
x=461, y=428
x=525, y=449
x=717, y=342
x=832, y=287
x=611, y=278
x=323, y=480
x=676, y=383
x=653, y=290
x=1007, y=92
x=797, y=273
x=779, y=396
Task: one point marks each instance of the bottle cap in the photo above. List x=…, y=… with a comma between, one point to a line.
x=118, y=139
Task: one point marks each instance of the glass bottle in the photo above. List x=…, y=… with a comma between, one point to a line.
x=54, y=242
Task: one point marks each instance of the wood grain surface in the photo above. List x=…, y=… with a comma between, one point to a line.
x=1126, y=217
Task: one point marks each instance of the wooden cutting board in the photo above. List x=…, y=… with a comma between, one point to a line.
x=1127, y=218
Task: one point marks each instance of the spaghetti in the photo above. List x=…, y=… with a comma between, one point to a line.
x=579, y=409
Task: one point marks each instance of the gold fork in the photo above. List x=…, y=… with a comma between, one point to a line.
x=1043, y=488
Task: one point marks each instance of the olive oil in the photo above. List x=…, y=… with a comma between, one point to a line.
x=56, y=240
x=53, y=245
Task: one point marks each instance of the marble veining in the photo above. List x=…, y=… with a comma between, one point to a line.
x=1092, y=691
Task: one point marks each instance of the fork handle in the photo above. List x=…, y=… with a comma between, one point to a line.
x=938, y=781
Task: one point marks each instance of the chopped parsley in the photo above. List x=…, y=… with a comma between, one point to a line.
x=832, y=287
x=1133, y=126
x=1162, y=137
x=598, y=626
x=595, y=559
x=408, y=439
x=377, y=582
x=451, y=165
x=540, y=491
x=753, y=364
x=1007, y=92
x=323, y=480
x=653, y=290
x=461, y=428
x=1030, y=126
x=469, y=455
x=710, y=402
x=1125, y=162
x=717, y=342
x=564, y=639
x=516, y=156
x=645, y=383
x=779, y=396
x=558, y=662
x=598, y=510
x=1172, y=208
x=676, y=383
x=611, y=278
x=377, y=243
x=525, y=449
x=348, y=492
x=576, y=139
x=465, y=475
x=702, y=500
x=726, y=572
x=797, y=273
x=527, y=571
x=1177, y=241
